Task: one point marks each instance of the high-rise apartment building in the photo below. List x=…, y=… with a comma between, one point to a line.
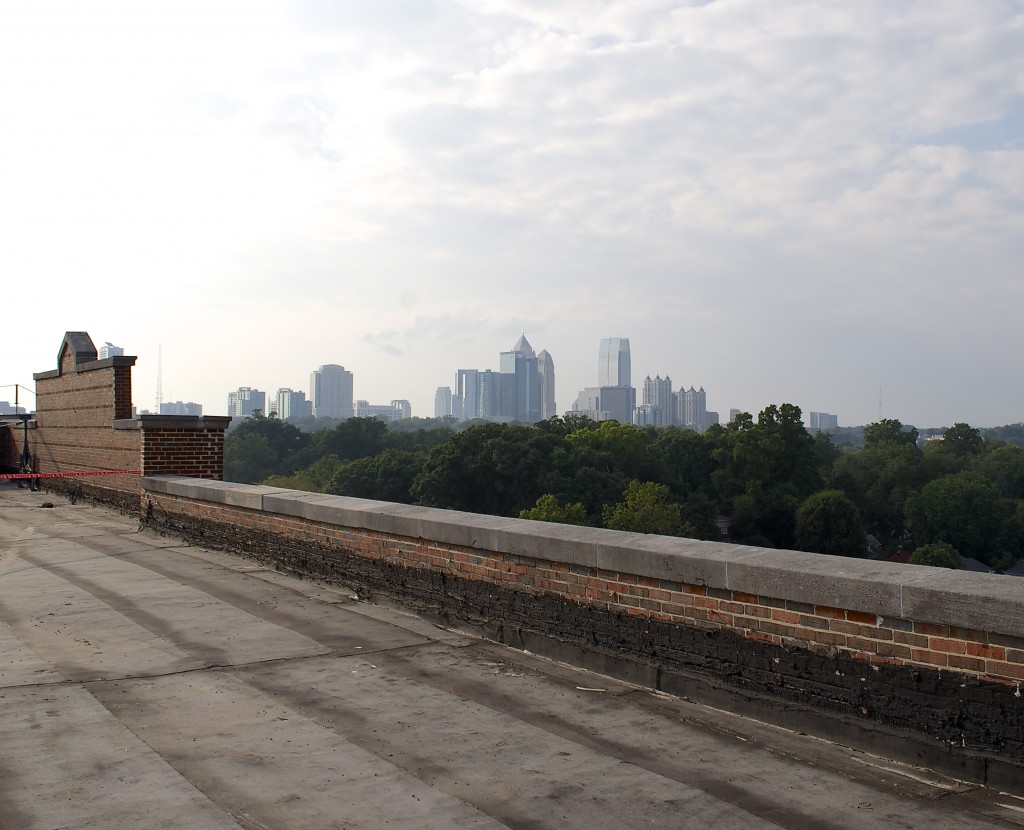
x=108, y=349
x=467, y=389
x=181, y=408
x=404, y=407
x=292, y=404
x=648, y=415
x=693, y=408
x=244, y=401
x=823, y=420
x=330, y=390
x=546, y=370
x=613, y=368
x=658, y=393
x=488, y=395
x=384, y=412
x=443, y=402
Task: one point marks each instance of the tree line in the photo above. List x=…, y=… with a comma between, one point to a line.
x=766, y=481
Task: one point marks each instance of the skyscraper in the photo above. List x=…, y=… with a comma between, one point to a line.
x=108, y=349
x=330, y=390
x=245, y=401
x=658, y=394
x=613, y=368
x=824, y=420
x=693, y=408
x=546, y=370
x=292, y=404
x=467, y=389
x=520, y=383
x=181, y=408
x=443, y=402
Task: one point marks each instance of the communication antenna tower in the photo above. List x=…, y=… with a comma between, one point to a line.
x=159, y=377
x=879, y=403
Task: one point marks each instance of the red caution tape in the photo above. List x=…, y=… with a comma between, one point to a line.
x=72, y=475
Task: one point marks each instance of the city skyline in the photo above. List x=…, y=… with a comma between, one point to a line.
x=794, y=203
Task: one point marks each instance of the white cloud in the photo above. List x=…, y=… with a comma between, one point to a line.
x=765, y=197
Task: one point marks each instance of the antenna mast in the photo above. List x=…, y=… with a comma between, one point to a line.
x=159, y=377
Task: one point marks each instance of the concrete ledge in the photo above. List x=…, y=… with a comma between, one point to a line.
x=218, y=492
x=817, y=579
x=197, y=422
x=985, y=602
x=106, y=363
x=127, y=423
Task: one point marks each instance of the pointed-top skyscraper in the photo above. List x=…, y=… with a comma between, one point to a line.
x=523, y=346
x=520, y=383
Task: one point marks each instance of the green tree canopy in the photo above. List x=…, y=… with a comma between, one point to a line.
x=548, y=509
x=938, y=555
x=259, y=447
x=962, y=440
x=354, y=438
x=647, y=508
x=498, y=469
x=963, y=510
x=314, y=478
x=879, y=479
x=387, y=476
x=1004, y=467
x=829, y=522
x=889, y=430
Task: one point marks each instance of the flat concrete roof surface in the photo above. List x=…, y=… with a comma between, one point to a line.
x=145, y=683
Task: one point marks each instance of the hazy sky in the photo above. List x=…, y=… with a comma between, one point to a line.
x=781, y=201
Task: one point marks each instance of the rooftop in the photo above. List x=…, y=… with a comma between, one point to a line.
x=147, y=683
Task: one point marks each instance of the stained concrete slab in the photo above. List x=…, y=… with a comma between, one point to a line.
x=144, y=684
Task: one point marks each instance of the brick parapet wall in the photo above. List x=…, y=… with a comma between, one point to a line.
x=84, y=425
x=186, y=446
x=76, y=407
x=934, y=651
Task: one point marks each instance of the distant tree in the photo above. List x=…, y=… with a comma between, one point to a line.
x=1004, y=467
x=1009, y=434
x=685, y=456
x=938, y=555
x=416, y=424
x=826, y=450
x=418, y=440
x=498, y=469
x=889, y=430
x=963, y=510
x=250, y=459
x=829, y=522
x=647, y=508
x=385, y=477
x=548, y=509
x=314, y=479
x=563, y=426
x=962, y=440
x=259, y=447
x=354, y=438
x=762, y=471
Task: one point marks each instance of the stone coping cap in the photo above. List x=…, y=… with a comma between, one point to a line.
x=90, y=366
x=986, y=602
x=215, y=422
